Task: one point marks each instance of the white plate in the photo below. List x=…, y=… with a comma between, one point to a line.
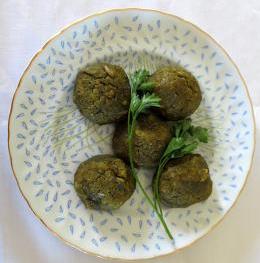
x=48, y=137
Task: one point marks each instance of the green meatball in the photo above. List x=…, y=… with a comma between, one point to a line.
x=150, y=139
x=185, y=181
x=102, y=93
x=104, y=182
x=179, y=92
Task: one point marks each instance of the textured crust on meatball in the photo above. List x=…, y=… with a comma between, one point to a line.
x=104, y=182
x=102, y=93
x=185, y=181
x=150, y=140
x=179, y=92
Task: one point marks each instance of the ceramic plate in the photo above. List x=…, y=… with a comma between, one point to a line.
x=48, y=137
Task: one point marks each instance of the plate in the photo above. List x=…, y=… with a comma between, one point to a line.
x=48, y=137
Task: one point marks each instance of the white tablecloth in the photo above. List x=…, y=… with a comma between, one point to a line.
x=24, y=27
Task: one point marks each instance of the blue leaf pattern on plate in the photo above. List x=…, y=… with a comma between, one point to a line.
x=51, y=137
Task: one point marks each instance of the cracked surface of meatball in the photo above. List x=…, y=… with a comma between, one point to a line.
x=104, y=182
x=151, y=136
x=185, y=181
x=179, y=92
x=102, y=93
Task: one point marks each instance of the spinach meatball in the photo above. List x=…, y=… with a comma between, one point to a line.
x=102, y=93
x=150, y=139
x=185, y=181
x=179, y=92
x=104, y=182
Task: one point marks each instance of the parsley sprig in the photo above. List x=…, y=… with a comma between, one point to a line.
x=141, y=100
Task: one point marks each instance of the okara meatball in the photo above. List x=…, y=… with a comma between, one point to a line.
x=102, y=93
x=150, y=139
x=179, y=92
x=104, y=182
x=185, y=181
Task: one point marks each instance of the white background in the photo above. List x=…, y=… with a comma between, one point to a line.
x=24, y=27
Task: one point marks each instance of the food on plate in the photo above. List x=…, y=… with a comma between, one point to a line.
x=185, y=181
x=102, y=93
x=151, y=136
x=104, y=182
x=178, y=90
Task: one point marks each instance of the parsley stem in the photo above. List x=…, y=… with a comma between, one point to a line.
x=157, y=201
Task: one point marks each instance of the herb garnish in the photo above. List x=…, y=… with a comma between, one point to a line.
x=140, y=103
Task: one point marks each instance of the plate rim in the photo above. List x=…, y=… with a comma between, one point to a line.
x=111, y=10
